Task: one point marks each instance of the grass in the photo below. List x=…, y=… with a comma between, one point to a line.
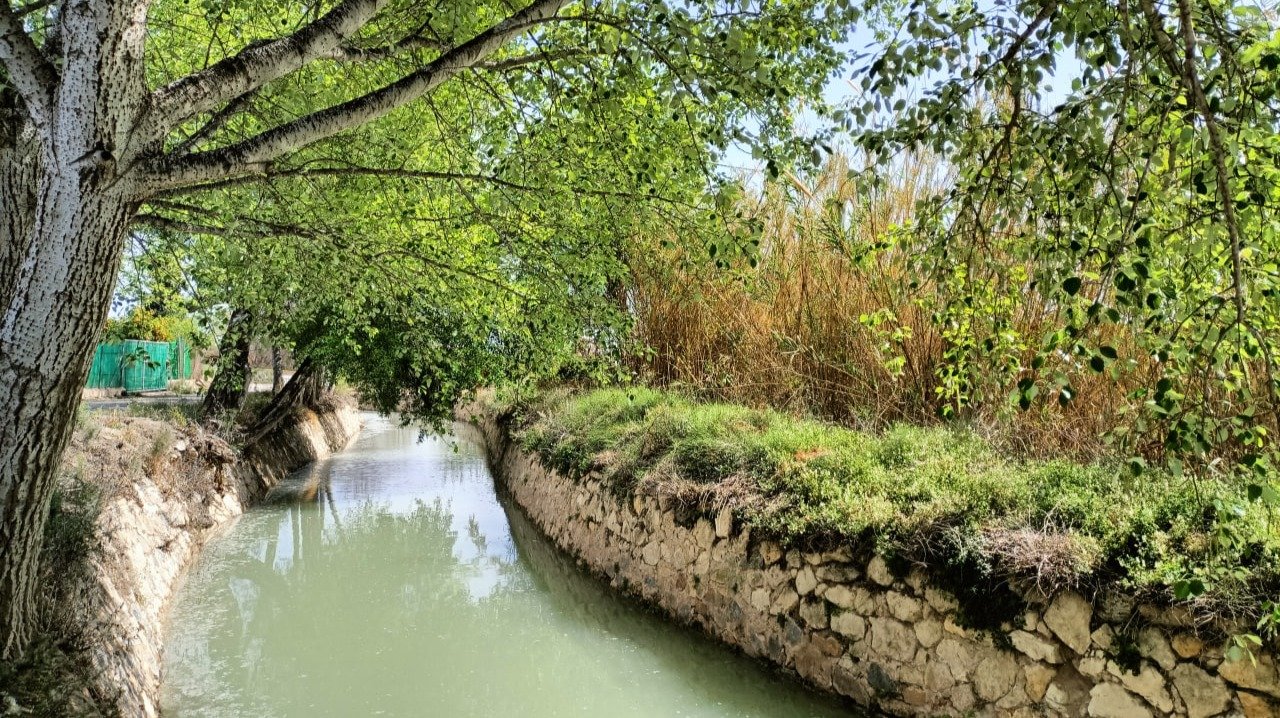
x=940, y=498
x=179, y=414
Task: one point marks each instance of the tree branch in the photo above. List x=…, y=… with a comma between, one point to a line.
x=400, y=173
x=260, y=64
x=531, y=58
x=351, y=53
x=26, y=10
x=30, y=72
x=216, y=121
x=254, y=154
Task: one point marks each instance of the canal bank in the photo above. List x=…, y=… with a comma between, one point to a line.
x=889, y=640
x=392, y=579
x=176, y=489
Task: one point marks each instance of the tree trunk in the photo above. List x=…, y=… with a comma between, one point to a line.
x=62, y=237
x=277, y=370
x=230, y=383
x=306, y=388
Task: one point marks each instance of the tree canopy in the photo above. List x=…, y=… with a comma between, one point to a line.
x=238, y=119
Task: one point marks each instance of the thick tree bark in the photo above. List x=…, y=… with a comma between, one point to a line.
x=60, y=270
x=306, y=388
x=230, y=383
x=65, y=206
x=277, y=370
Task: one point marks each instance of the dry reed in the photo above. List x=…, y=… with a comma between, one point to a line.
x=836, y=320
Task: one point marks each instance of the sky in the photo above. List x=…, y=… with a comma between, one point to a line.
x=842, y=89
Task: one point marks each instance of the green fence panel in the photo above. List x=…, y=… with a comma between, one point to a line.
x=144, y=366
x=135, y=365
x=104, y=373
x=179, y=360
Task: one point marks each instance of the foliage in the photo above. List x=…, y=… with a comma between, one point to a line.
x=180, y=414
x=832, y=317
x=145, y=325
x=938, y=496
x=50, y=680
x=478, y=238
x=1138, y=211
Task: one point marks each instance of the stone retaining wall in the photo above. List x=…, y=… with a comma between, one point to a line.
x=150, y=535
x=894, y=643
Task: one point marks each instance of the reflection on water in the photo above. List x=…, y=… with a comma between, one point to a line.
x=391, y=580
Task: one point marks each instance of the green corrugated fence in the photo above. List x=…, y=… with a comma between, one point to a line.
x=135, y=365
x=179, y=360
x=104, y=373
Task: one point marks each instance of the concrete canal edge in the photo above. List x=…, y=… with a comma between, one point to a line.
x=892, y=643
x=150, y=535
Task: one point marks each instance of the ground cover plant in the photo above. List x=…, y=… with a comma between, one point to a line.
x=941, y=497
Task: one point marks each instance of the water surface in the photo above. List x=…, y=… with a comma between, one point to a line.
x=392, y=581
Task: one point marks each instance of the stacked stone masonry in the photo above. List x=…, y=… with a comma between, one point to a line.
x=149, y=538
x=892, y=643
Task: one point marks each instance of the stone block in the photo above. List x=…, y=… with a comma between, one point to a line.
x=1068, y=617
x=1256, y=675
x=838, y=573
x=1203, y=694
x=704, y=533
x=784, y=602
x=1255, y=706
x=928, y=632
x=805, y=581
x=1153, y=644
x=651, y=553
x=892, y=639
x=724, y=522
x=849, y=624
x=878, y=571
x=1151, y=685
x=995, y=676
x=814, y=614
x=1035, y=647
x=1107, y=700
x=841, y=596
x=903, y=607
x=1038, y=677
x=1186, y=645
x=1103, y=637
x=770, y=552
x=940, y=600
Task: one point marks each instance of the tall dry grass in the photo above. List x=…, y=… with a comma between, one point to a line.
x=837, y=320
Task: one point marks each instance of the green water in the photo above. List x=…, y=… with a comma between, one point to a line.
x=392, y=581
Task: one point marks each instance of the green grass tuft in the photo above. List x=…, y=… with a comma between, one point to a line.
x=938, y=496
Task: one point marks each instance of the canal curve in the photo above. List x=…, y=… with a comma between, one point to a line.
x=392, y=580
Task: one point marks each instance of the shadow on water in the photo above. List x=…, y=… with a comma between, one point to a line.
x=393, y=581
